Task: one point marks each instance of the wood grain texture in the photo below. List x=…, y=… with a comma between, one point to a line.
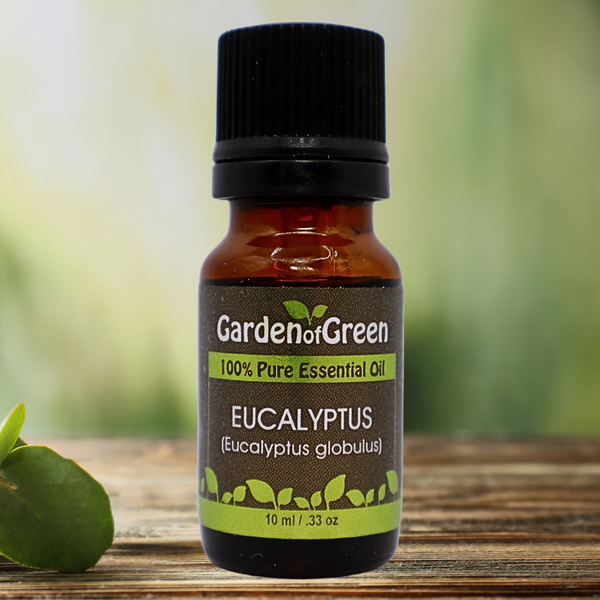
x=482, y=518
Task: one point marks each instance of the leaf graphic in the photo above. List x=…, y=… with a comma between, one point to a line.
x=202, y=485
x=370, y=497
x=392, y=478
x=211, y=482
x=318, y=311
x=239, y=494
x=262, y=492
x=334, y=490
x=226, y=498
x=316, y=499
x=381, y=493
x=297, y=309
x=284, y=497
x=356, y=497
x=53, y=515
x=302, y=502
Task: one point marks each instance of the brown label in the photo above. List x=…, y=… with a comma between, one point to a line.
x=300, y=410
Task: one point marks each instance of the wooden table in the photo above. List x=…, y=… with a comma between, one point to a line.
x=481, y=518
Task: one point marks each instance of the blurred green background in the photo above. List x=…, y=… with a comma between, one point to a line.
x=106, y=136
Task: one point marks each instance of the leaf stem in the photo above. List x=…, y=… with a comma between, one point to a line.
x=8, y=484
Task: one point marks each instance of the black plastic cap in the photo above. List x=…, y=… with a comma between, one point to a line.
x=305, y=101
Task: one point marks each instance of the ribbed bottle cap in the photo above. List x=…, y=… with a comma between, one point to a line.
x=301, y=111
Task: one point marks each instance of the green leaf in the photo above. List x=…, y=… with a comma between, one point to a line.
x=226, y=498
x=334, y=490
x=318, y=311
x=296, y=309
x=54, y=514
x=316, y=499
x=370, y=496
x=202, y=485
x=20, y=442
x=10, y=430
x=239, y=494
x=392, y=478
x=356, y=497
x=211, y=481
x=262, y=492
x=381, y=492
x=302, y=502
x=284, y=497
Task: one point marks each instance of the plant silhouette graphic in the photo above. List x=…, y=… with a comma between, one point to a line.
x=335, y=490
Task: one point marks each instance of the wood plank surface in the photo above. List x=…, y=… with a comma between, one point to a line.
x=482, y=518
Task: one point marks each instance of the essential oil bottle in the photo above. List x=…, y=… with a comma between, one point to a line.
x=301, y=311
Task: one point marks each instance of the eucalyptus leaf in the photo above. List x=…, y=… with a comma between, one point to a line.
x=10, y=430
x=19, y=443
x=53, y=515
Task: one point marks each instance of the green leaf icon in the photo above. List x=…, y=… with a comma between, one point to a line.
x=316, y=499
x=297, y=309
x=392, y=478
x=211, y=482
x=370, y=497
x=318, y=311
x=356, y=497
x=227, y=497
x=239, y=494
x=302, y=502
x=262, y=492
x=381, y=493
x=10, y=430
x=202, y=485
x=284, y=497
x=54, y=514
x=334, y=490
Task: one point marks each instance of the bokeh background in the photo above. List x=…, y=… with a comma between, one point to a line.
x=106, y=136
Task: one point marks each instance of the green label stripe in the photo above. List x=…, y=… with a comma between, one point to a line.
x=302, y=369
x=299, y=524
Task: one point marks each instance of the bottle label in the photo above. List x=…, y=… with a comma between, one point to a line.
x=300, y=415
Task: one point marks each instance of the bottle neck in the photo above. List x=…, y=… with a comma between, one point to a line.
x=304, y=215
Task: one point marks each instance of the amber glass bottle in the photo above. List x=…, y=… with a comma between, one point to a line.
x=300, y=408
